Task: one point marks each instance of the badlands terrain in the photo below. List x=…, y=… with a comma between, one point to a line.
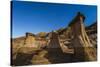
x=74, y=43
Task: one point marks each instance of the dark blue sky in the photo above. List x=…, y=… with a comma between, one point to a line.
x=38, y=17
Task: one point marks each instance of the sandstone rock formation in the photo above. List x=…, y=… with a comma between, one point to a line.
x=54, y=49
x=30, y=39
x=83, y=49
x=15, y=46
x=54, y=41
x=42, y=34
x=75, y=43
x=92, y=33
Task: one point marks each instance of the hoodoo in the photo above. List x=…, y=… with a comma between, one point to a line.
x=83, y=49
x=54, y=49
x=75, y=43
x=54, y=41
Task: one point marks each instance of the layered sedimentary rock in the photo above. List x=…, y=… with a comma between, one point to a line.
x=15, y=46
x=75, y=43
x=92, y=33
x=30, y=39
x=54, y=49
x=83, y=49
x=54, y=41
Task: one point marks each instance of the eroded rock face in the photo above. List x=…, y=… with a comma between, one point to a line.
x=29, y=41
x=75, y=43
x=92, y=33
x=84, y=50
x=54, y=41
x=23, y=50
x=16, y=44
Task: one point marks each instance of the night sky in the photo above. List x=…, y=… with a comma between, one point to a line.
x=38, y=17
